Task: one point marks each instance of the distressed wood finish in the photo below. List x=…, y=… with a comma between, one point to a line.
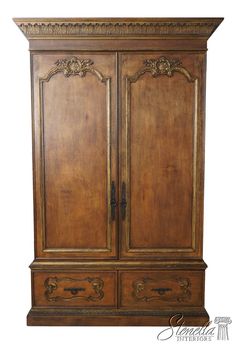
x=118, y=113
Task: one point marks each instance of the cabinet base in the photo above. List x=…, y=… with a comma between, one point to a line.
x=83, y=317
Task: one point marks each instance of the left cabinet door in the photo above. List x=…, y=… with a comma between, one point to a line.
x=75, y=154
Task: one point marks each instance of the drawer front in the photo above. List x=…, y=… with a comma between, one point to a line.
x=149, y=289
x=90, y=289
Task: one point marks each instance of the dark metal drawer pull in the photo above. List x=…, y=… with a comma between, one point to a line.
x=161, y=291
x=74, y=291
x=123, y=202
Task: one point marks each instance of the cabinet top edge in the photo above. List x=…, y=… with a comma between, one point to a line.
x=72, y=28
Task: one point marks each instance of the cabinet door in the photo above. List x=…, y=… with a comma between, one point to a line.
x=75, y=154
x=161, y=144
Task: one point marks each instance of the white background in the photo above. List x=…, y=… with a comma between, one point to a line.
x=16, y=220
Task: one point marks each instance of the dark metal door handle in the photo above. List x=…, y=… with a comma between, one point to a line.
x=161, y=291
x=113, y=202
x=123, y=202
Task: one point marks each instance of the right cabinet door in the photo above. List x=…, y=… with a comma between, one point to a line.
x=161, y=145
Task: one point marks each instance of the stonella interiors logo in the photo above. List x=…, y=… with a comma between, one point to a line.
x=208, y=332
x=222, y=323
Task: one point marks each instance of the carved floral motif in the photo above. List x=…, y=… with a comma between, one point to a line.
x=74, y=66
x=162, y=66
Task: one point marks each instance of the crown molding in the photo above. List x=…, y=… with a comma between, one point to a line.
x=138, y=28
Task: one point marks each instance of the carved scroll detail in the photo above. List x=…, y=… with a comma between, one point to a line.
x=185, y=286
x=142, y=291
x=51, y=284
x=162, y=66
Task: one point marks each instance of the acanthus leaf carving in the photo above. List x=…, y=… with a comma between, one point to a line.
x=78, y=28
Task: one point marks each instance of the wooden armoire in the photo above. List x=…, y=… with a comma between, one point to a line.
x=118, y=113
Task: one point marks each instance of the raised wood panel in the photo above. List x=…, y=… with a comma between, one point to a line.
x=76, y=130
x=161, y=124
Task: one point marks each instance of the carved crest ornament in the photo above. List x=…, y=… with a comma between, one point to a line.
x=157, y=67
x=162, y=66
x=73, y=66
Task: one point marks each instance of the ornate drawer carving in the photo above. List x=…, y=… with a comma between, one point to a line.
x=75, y=289
x=66, y=288
x=148, y=289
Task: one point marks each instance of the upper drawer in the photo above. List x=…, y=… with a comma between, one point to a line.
x=75, y=289
x=148, y=289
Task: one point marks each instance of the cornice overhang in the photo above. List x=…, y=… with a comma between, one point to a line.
x=121, y=28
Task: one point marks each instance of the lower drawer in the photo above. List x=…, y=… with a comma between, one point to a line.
x=149, y=289
x=90, y=289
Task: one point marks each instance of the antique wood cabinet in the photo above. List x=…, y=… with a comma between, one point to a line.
x=118, y=108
